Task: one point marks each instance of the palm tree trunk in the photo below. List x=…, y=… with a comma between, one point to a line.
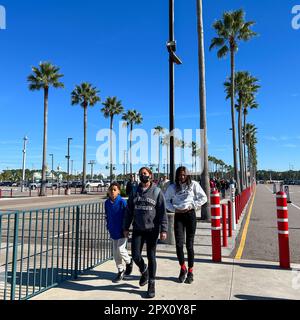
x=83, y=191
x=205, y=211
x=245, y=159
x=241, y=148
x=111, y=155
x=168, y=161
x=130, y=142
x=249, y=163
x=159, y=139
x=236, y=176
x=44, y=165
x=192, y=164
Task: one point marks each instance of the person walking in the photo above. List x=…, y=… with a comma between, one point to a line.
x=131, y=185
x=115, y=207
x=164, y=184
x=184, y=198
x=146, y=211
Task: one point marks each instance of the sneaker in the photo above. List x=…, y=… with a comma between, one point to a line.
x=119, y=277
x=129, y=268
x=190, y=278
x=151, y=289
x=144, y=277
x=182, y=275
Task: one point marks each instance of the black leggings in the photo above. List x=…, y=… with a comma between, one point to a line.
x=185, y=222
x=138, y=240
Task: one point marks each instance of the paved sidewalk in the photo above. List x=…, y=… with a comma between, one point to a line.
x=230, y=280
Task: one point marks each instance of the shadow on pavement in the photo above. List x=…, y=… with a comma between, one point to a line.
x=249, y=297
x=241, y=264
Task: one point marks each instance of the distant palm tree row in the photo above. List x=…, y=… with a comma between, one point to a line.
x=85, y=95
x=241, y=88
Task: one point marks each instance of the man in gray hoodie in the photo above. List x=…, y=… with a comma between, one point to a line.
x=146, y=211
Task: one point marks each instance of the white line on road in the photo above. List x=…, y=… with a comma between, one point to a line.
x=269, y=189
x=295, y=206
x=291, y=203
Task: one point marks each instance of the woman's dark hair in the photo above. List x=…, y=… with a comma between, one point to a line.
x=188, y=177
x=147, y=169
x=114, y=184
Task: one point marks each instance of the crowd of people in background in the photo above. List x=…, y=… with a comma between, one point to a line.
x=221, y=185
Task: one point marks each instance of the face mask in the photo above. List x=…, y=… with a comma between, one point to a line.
x=144, y=179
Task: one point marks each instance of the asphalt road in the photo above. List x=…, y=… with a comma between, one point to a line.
x=48, y=202
x=262, y=237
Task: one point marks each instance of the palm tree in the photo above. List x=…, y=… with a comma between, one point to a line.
x=44, y=77
x=85, y=95
x=245, y=88
x=132, y=117
x=205, y=211
x=166, y=142
x=231, y=29
x=250, y=103
x=194, y=147
x=112, y=107
x=159, y=131
x=182, y=145
x=210, y=162
x=251, y=139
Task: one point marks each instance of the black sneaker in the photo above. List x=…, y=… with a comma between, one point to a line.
x=190, y=278
x=151, y=289
x=129, y=268
x=119, y=276
x=182, y=275
x=144, y=277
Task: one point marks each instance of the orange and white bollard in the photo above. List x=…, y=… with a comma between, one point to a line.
x=229, y=219
x=283, y=230
x=224, y=225
x=216, y=226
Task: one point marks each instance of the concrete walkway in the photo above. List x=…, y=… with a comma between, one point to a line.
x=230, y=280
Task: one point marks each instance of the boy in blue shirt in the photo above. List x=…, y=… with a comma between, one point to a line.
x=115, y=208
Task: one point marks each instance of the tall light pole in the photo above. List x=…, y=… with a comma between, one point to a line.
x=68, y=158
x=24, y=161
x=72, y=164
x=205, y=211
x=52, y=155
x=124, y=163
x=92, y=163
x=171, y=46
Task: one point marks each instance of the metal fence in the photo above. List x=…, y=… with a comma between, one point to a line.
x=40, y=249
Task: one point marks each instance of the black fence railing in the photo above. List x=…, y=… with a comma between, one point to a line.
x=41, y=248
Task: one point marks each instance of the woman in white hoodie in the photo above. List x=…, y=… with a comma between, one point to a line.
x=185, y=197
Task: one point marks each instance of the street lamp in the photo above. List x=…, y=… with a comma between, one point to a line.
x=52, y=155
x=72, y=164
x=173, y=59
x=68, y=158
x=24, y=160
x=92, y=163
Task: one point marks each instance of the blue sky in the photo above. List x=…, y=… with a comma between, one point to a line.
x=119, y=46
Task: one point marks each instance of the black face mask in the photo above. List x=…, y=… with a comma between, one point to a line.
x=144, y=179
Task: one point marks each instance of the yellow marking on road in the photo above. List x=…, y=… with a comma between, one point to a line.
x=244, y=235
